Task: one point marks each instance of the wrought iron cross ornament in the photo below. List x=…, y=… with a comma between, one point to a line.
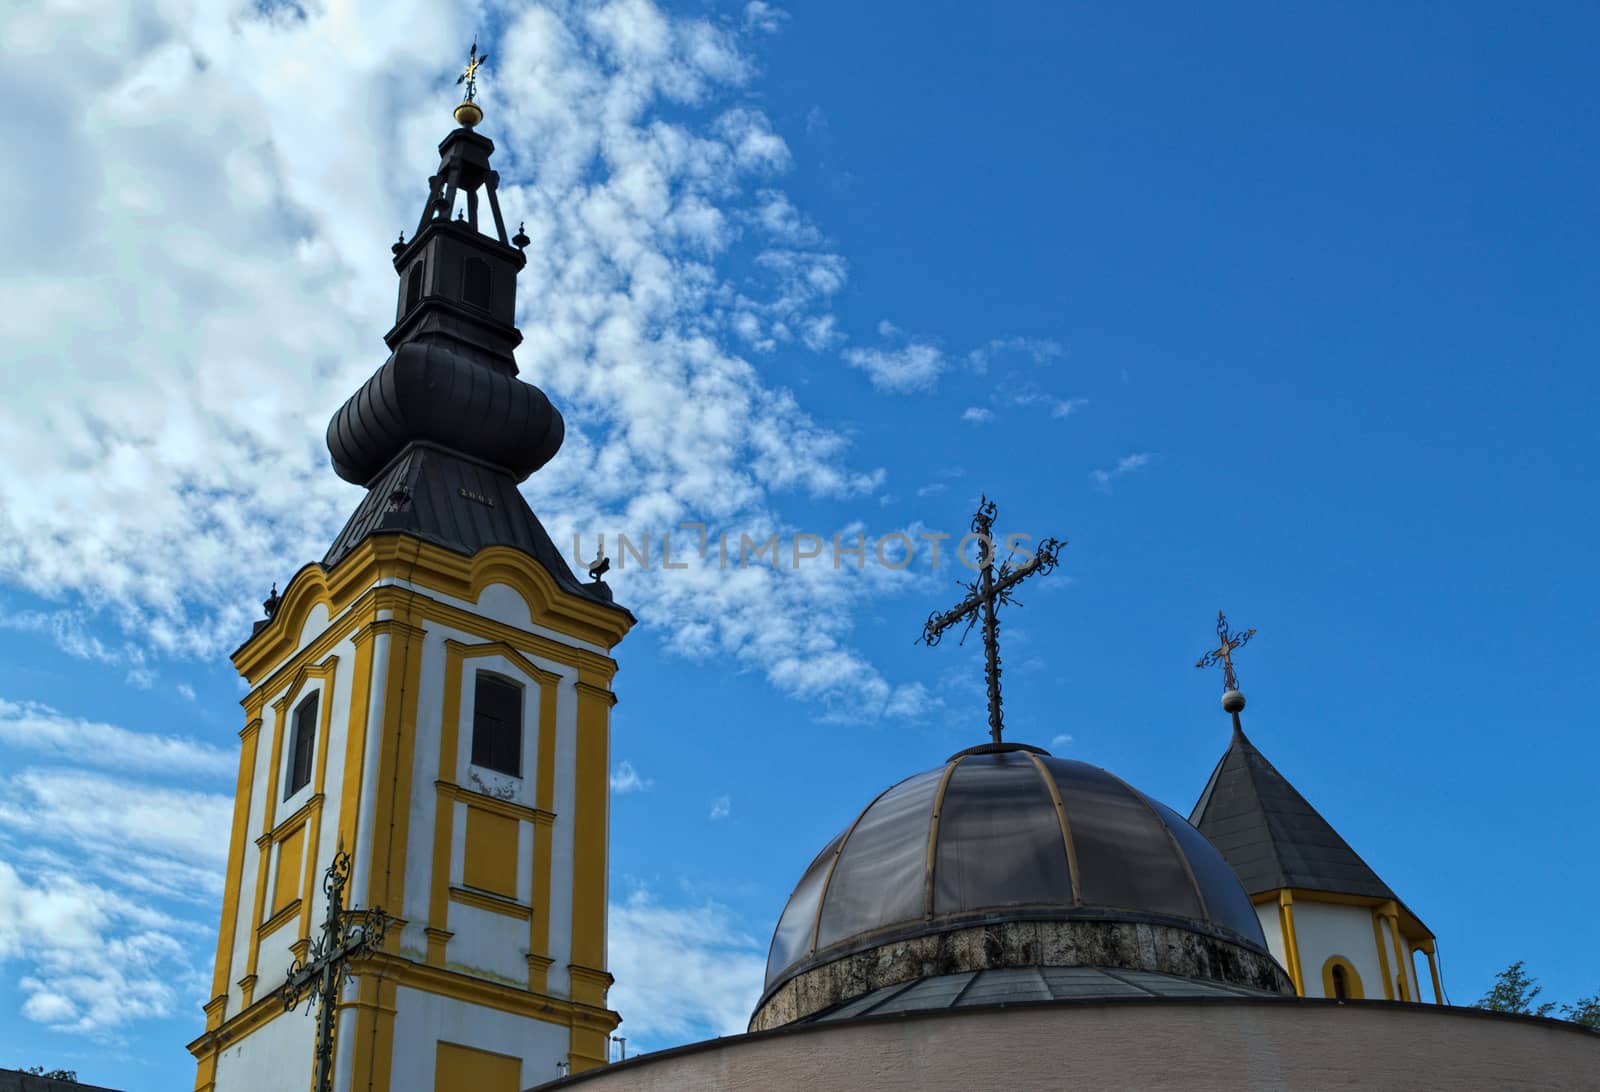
x=347, y=936
x=992, y=588
x=1223, y=653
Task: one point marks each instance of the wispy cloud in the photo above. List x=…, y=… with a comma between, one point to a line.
x=1061, y=741
x=38, y=727
x=96, y=960
x=908, y=368
x=683, y=973
x=1039, y=350
x=630, y=149
x=1128, y=464
x=977, y=415
x=721, y=807
x=626, y=779
x=767, y=18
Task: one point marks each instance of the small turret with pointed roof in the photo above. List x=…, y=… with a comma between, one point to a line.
x=1287, y=855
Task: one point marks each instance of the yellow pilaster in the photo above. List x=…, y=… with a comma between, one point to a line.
x=1383, y=953
x=590, y=844
x=238, y=840
x=1291, y=943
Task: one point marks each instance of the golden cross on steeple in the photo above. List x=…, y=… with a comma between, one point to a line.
x=1223, y=653
x=470, y=75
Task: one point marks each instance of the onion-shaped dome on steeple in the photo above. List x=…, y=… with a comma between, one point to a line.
x=1003, y=857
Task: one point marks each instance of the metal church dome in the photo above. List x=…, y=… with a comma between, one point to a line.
x=1008, y=833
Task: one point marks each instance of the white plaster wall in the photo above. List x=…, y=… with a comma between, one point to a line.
x=272, y=962
x=1267, y=914
x=274, y=1057
x=427, y=690
x=423, y=1019
x=489, y=945
x=505, y=604
x=1329, y=929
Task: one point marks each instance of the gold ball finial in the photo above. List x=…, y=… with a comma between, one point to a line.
x=468, y=114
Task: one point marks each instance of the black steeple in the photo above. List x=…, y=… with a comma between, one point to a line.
x=441, y=434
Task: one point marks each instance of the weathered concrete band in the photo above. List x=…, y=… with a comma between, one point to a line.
x=1142, y=946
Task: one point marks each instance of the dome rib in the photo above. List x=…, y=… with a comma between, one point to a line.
x=1177, y=850
x=933, y=838
x=833, y=865
x=1066, y=826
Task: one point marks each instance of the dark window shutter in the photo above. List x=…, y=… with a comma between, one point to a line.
x=302, y=746
x=414, y=285
x=475, y=283
x=497, y=725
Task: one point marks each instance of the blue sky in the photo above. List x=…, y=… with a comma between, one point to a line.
x=1282, y=311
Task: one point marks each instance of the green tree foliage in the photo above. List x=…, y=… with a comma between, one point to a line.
x=1585, y=1012
x=53, y=1074
x=1513, y=991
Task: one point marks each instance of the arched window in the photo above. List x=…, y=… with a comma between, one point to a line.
x=302, y=745
x=475, y=283
x=1340, y=980
x=414, y=285
x=497, y=725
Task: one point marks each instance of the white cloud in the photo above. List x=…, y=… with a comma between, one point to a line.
x=767, y=18
x=39, y=727
x=933, y=489
x=1039, y=350
x=977, y=415
x=683, y=973
x=1128, y=464
x=185, y=691
x=95, y=960
x=237, y=243
x=721, y=807
x=113, y=818
x=916, y=366
x=625, y=779
x=1061, y=741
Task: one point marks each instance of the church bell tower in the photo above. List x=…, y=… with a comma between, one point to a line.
x=434, y=696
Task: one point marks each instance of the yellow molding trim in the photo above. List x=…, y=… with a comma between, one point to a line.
x=418, y=563
x=1391, y=910
x=590, y=807
x=276, y=921
x=1383, y=958
x=1061, y=821
x=1291, y=942
x=247, y=990
x=294, y=822
x=438, y=944
x=1352, y=978
x=233, y=882
x=543, y=676
x=495, y=904
x=483, y=802
x=539, y=972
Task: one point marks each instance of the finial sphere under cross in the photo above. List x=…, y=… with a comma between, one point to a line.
x=1223, y=653
x=993, y=587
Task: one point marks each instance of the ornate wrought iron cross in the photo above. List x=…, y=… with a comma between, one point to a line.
x=991, y=588
x=347, y=936
x=470, y=76
x=1223, y=653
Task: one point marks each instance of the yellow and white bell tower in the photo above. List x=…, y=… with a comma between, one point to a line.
x=435, y=697
x=1333, y=924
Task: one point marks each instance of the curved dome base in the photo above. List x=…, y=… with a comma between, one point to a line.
x=1129, y=945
